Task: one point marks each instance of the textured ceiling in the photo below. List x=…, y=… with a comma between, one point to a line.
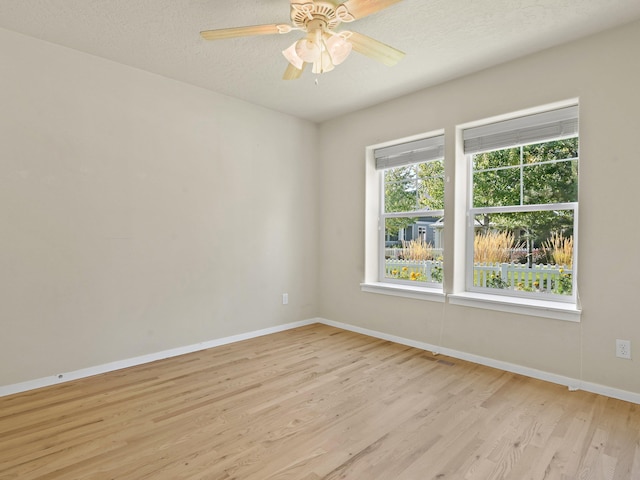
x=443, y=39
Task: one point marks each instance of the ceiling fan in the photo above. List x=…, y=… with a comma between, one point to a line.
x=322, y=47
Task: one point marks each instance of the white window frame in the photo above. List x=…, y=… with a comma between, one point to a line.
x=375, y=281
x=464, y=293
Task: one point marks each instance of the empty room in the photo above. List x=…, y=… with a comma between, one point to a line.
x=315, y=240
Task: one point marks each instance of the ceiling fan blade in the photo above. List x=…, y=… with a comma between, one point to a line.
x=224, y=33
x=354, y=9
x=374, y=49
x=293, y=73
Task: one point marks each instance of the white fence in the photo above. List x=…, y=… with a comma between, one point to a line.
x=395, y=253
x=428, y=270
x=542, y=278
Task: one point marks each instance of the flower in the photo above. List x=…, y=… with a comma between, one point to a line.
x=413, y=276
x=404, y=269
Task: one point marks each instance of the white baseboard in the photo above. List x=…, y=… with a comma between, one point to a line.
x=152, y=357
x=571, y=383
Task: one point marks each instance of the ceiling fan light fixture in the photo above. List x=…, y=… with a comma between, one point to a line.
x=323, y=64
x=308, y=49
x=339, y=48
x=292, y=57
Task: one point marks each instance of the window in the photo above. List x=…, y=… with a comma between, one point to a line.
x=411, y=177
x=523, y=206
x=512, y=216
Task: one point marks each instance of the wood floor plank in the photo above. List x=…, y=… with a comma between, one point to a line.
x=316, y=403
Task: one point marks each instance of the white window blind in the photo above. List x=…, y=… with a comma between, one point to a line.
x=540, y=127
x=422, y=150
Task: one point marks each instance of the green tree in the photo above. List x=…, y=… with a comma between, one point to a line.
x=412, y=188
x=400, y=193
x=431, y=185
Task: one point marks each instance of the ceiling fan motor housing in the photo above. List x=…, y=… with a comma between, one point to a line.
x=312, y=15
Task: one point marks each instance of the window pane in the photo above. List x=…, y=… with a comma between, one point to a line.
x=557, y=150
x=551, y=182
x=400, y=190
x=498, y=158
x=431, y=185
x=496, y=188
x=413, y=249
x=414, y=187
x=400, y=174
x=528, y=252
x=400, y=196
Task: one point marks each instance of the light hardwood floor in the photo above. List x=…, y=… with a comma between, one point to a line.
x=316, y=403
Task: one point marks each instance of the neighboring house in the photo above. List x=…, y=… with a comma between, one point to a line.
x=426, y=229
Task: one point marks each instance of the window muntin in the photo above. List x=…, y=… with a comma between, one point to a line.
x=524, y=213
x=545, y=172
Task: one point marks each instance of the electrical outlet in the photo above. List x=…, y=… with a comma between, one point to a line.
x=285, y=298
x=623, y=349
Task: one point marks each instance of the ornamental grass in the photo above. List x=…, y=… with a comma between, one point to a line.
x=417, y=250
x=493, y=247
x=560, y=249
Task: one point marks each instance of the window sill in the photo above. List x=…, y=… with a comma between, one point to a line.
x=407, y=291
x=523, y=306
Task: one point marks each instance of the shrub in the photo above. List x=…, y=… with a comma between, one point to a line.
x=495, y=281
x=436, y=274
x=405, y=273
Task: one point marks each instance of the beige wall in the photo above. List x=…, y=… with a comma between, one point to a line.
x=603, y=72
x=139, y=214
